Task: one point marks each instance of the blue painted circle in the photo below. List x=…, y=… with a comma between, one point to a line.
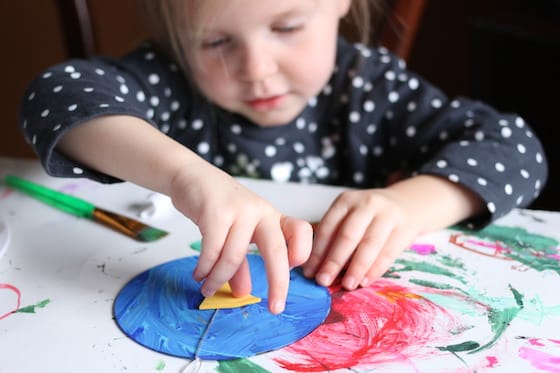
x=159, y=309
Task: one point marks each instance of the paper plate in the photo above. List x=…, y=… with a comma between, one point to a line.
x=159, y=310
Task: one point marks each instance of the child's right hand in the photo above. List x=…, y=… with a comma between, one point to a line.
x=230, y=217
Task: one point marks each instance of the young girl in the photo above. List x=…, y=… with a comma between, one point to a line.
x=267, y=89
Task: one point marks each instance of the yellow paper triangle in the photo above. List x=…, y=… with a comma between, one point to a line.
x=224, y=299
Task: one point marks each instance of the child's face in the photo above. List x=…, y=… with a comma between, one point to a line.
x=264, y=59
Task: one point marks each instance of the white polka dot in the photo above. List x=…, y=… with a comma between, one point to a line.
x=312, y=127
x=389, y=114
x=529, y=134
x=508, y=189
x=519, y=122
x=203, y=148
x=464, y=143
x=454, y=178
x=175, y=105
x=472, y=162
x=236, y=129
x=140, y=96
x=358, y=177
x=368, y=87
x=479, y=136
x=76, y=75
x=437, y=103
x=363, y=150
x=358, y=82
x=519, y=200
x=299, y=147
x=390, y=75
x=280, y=141
x=312, y=101
x=525, y=174
x=119, y=99
x=369, y=106
x=103, y=105
x=154, y=101
x=370, y=129
x=482, y=181
x=150, y=113
x=182, y=124
x=354, y=117
x=149, y=56
x=45, y=113
x=232, y=148
x=120, y=79
x=413, y=84
x=539, y=158
x=167, y=92
x=506, y=132
x=377, y=151
x=393, y=96
x=411, y=106
x=270, y=151
x=124, y=89
x=385, y=59
x=99, y=72
x=47, y=75
x=300, y=123
x=57, y=127
x=57, y=89
x=455, y=104
x=537, y=184
x=31, y=96
x=491, y=207
x=521, y=148
x=503, y=122
x=443, y=135
x=34, y=139
x=327, y=90
x=72, y=107
x=500, y=167
x=165, y=116
x=411, y=131
x=469, y=123
x=77, y=170
x=69, y=69
x=165, y=128
x=441, y=163
x=197, y=124
x=88, y=90
x=153, y=79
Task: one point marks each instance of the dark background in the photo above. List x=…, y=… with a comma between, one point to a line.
x=504, y=52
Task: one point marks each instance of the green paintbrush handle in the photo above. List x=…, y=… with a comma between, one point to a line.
x=62, y=201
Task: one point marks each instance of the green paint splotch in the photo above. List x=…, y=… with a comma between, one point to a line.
x=160, y=366
x=534, y=250
x=31, y=308
x=239, y=366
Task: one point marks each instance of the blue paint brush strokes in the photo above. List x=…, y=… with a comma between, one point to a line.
x=159, y=310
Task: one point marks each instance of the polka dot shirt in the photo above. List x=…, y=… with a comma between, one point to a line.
x=373, y=122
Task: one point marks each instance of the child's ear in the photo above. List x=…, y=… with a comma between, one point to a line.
x=344, y=7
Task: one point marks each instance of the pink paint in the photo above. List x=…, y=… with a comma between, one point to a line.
x=554, y=256
x=379, y=324
x=492, y=361
x=18, y=298
x=535, y=342
x=540, y=360
x=423, y=249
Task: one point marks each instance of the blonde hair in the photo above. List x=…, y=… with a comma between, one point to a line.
x=164, y=25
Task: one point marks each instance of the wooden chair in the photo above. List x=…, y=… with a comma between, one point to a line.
x=397, y=32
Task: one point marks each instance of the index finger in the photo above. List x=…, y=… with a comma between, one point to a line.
x=270, y=240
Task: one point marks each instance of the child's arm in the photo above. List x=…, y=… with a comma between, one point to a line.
x=228, y=215
x=366, y=230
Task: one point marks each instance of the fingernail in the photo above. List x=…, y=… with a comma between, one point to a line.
x=278, y=307
x=350, y=282
x=324, y=279
x=365, y=282
x=207, y=292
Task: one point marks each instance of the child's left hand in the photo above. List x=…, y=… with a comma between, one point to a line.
x=363, y=231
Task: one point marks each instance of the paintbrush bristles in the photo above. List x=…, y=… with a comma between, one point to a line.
x=128, y=226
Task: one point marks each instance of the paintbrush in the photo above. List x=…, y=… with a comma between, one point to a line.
x=81, y=208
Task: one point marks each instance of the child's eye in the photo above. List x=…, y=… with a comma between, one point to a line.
x=214, y=43
x=287, y=28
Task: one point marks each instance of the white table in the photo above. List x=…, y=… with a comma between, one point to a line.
x=69, y=270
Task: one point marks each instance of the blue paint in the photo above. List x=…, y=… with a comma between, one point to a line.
x=159, y=310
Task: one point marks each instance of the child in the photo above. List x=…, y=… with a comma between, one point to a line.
x=267, y=89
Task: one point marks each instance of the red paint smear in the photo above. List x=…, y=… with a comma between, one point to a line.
x=18, y=294
x=423, y=249
x=6, y=193
x=492, y=360
x=540, y=360
x=382, y=323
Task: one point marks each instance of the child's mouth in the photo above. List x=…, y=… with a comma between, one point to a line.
x=266, y=103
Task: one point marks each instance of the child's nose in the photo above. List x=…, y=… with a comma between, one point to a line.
x=258, y=62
